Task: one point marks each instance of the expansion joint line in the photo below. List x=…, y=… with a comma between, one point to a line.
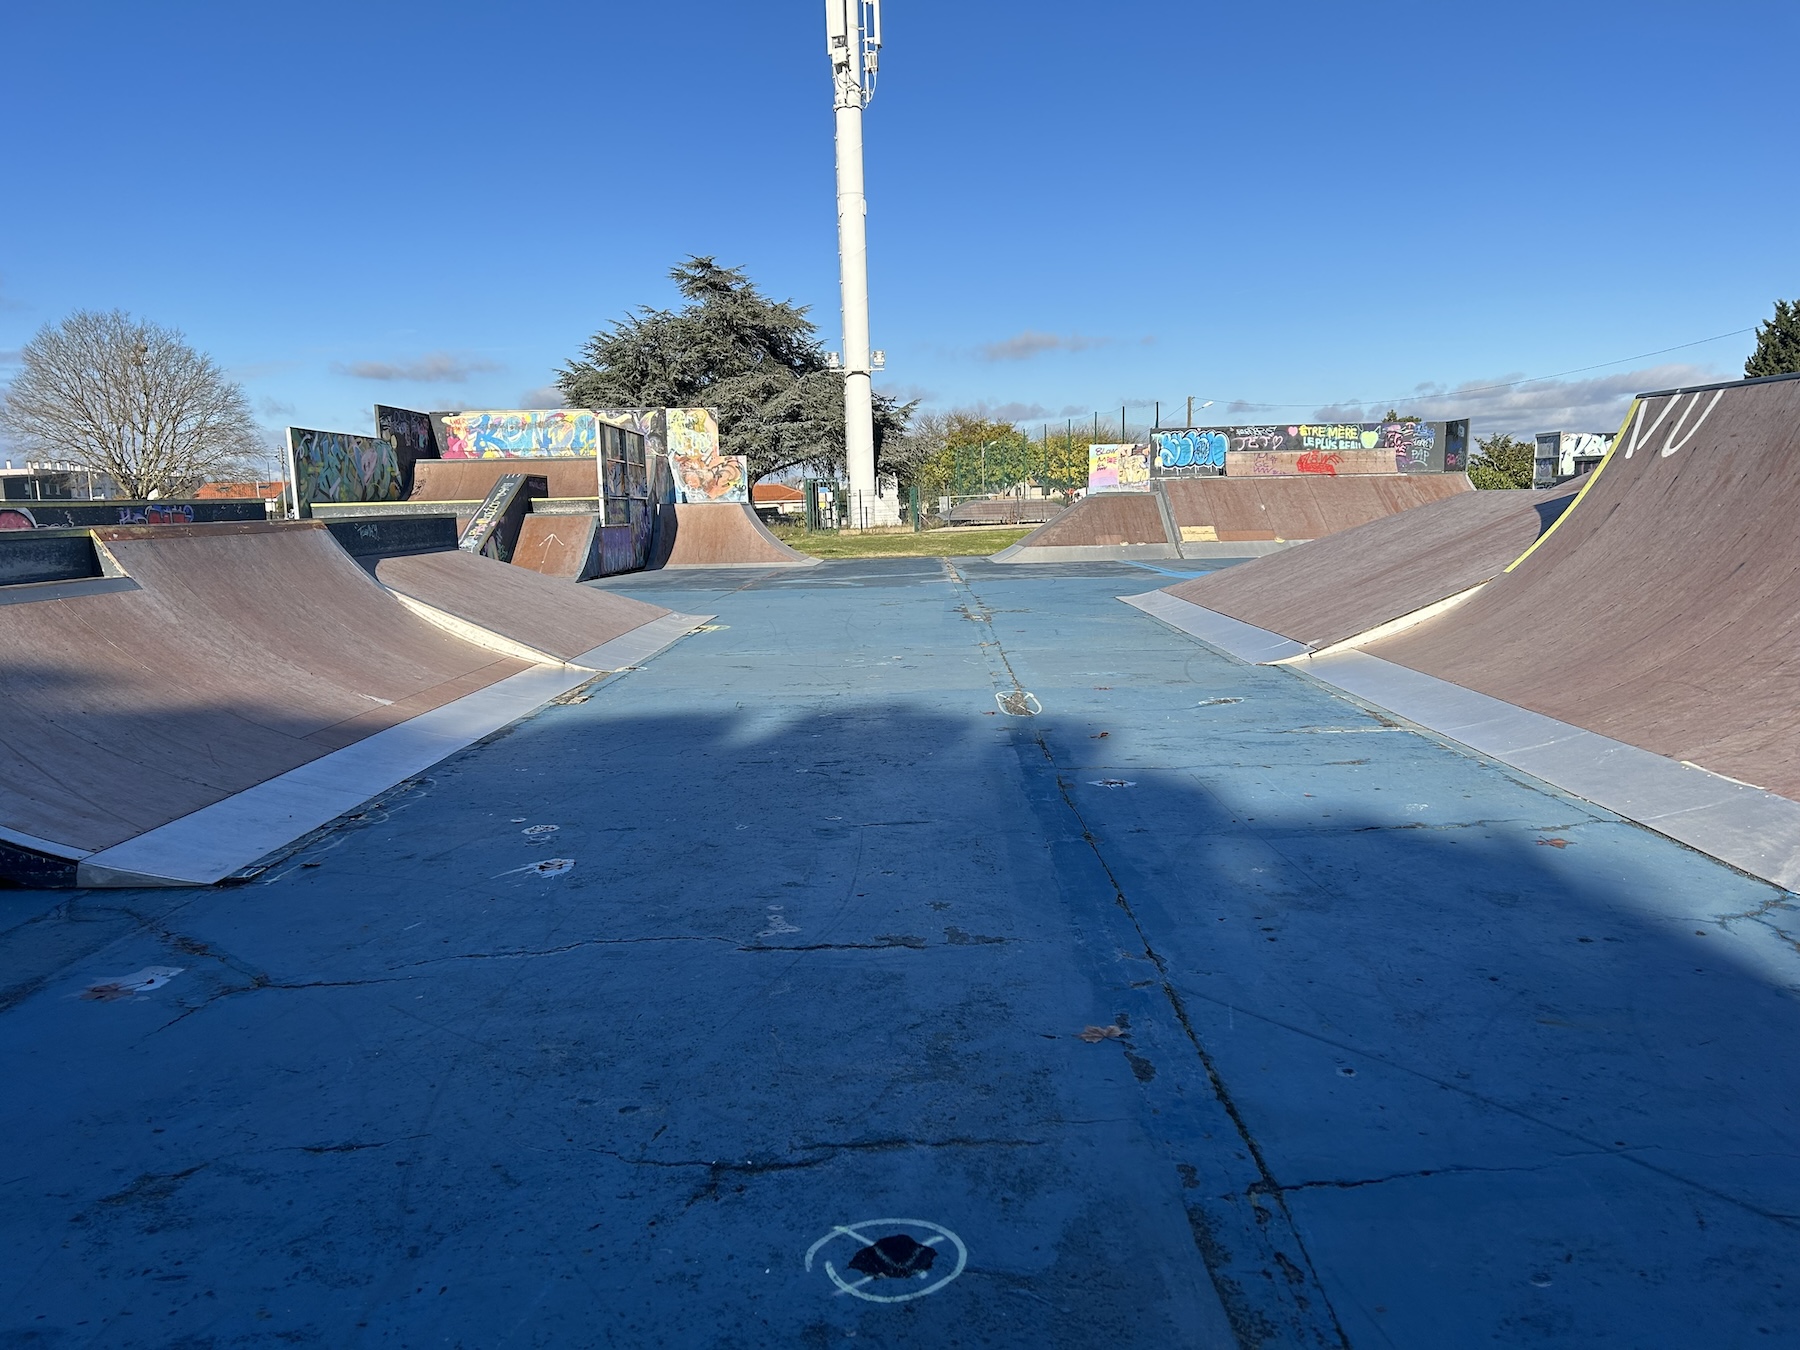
x=1265, y=1187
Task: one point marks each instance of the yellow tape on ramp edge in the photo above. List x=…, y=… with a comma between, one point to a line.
x=1593, y=478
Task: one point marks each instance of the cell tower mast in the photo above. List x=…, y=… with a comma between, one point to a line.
x=853, y=37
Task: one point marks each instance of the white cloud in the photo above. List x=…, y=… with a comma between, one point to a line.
x=1024, y=346
x=431, y=368
x=1519, y=407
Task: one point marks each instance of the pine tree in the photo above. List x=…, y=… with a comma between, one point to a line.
x=758, y=361
x=1777, y=343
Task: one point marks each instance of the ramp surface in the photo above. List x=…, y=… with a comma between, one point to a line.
x=719, y=534
x=1194, y=516
x=1100, y=520
x=244, y=651
x=566, y=546
x=470, y=480
x=1331, y=589
x=1246, y=509
x=482, y=600
x=1660, y=611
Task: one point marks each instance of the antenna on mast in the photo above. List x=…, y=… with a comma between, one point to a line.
x=853, y=41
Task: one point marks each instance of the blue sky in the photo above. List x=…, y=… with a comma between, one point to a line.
x=1294, y=210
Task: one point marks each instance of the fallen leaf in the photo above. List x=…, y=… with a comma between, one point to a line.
x=1555, y=843
x=1094, y=1035
x=1099, y=735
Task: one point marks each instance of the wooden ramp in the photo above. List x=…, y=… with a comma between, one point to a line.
x=232, y=687
x=718, y=534
x=1212, y=517
x=1363, y=579
x=1663, y=609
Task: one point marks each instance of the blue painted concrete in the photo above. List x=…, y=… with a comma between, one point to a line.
x=1405, y=1050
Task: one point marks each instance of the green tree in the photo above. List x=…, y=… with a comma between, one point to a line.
x=1502, y=462
x=1394, y=416
x=758, y=361
x=1777, y=343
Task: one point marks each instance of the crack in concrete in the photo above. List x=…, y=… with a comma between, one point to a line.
x=1247, y=1321
x=525, y=953
x=1450, y=1170
x=885, y=943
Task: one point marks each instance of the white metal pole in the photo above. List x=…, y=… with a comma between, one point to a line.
x=847, y=37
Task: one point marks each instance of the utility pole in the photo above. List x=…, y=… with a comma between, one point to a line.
x=853, y=39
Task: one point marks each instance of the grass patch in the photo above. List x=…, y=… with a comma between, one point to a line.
x=961, y=542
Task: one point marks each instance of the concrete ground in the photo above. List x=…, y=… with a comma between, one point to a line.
x=1130, y=995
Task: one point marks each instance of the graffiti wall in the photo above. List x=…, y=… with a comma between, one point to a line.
x=643, y=517
x=615, y=549
x=520, y=433
x=1287, y=463
x=411, y=435
x=701, y=473
x=1118, y=466
x=1325, y=448
x=83, y=515
x=1189, y=453
x=335, y=466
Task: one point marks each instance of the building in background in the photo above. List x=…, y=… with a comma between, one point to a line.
x=1562, y=455
x=774, y=500
x=49, y=480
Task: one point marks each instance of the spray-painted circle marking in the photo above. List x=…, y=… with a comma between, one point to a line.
x=867, y=1232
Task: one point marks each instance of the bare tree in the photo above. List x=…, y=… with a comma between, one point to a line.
x=131, y=400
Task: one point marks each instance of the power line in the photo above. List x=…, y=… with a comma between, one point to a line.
x=1490, y=388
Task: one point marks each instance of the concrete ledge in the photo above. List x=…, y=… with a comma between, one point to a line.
x=1019, y=553
x=1245, y=641
x=1746, y=827
x=1752, y=829
x=1248, y=548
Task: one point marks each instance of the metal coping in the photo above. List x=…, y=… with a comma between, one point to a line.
x=1722, y=384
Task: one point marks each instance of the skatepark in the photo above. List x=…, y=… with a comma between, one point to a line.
x=1371, y=941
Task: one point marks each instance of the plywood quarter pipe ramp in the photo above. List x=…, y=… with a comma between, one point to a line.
x=1198, y=517
x=1643, y=652
x=250, y=678
x=558, y=545
x=514, y=609
x=1307, y=506
x=718, y=534
x=1663, y=610
x=1100, y=525
x=1375, y=574
x=469, y=480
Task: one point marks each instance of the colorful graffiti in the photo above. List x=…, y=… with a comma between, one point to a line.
x=616, y=549
x=1118, y=466
x=1328, y=448
x=1189, y=452
x=613, y=477
x=701, y=473
x=643, y=517
x=1325, y=463
x=1103, y=467
x=1414, y=445
x=16, y=518
x=152, y=513
x=411, y=435
x=334, y=466
x=571, y=433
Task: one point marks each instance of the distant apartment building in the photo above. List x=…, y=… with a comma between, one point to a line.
x=36, y=480
x=1562, y=455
